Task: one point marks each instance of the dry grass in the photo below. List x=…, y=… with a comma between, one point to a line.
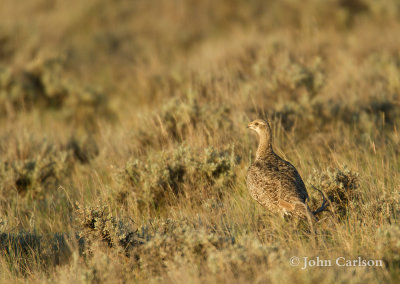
x=123, y=147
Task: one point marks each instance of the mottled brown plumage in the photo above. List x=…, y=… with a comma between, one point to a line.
x=274, y=182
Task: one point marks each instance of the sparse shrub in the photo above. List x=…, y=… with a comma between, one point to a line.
x=179, y=243
x=298, y=75
x=288, y=76
x=48, y=76
x=193, y=174
x=6, y=43
x=86, y=106
x=98, y=224
x=389, y=244
x=42, y=84
x=176, y=244
x=18, y=91
x=37, y=174
x=178, y=119
x=371, y=116
x=383, y=110
x=383, y=206
x=243, y=258
x=306, y=115
x=339, y=185
x=25, y=251
x=84, y=150
x=165, y=244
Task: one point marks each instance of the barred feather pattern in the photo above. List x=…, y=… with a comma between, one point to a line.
x=273, y=182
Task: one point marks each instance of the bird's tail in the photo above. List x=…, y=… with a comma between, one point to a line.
x=324, y=202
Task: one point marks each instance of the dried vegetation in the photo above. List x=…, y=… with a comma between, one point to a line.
x=123, y=147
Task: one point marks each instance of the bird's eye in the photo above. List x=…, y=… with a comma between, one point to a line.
x=256, y=124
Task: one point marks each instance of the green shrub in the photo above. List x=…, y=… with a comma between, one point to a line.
x=160, y=243
x=26, y=251
x=45, y=166
x=179, y=119
x=84, y=149
x=37, y=174
x=176, y=244
x=98, y=224
x=339, y=185
x=195, y=175
x=372, y=116
x=389, y=244
x=43, y=85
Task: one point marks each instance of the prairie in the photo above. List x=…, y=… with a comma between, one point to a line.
x=124, y=148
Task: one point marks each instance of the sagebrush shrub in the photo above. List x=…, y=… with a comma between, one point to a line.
x=184, y=172
x=389, y=244
x=98, y=224
x=38, y=174
x=178, y=119
x=340, y=186
x=42, y=84
x=161, y=244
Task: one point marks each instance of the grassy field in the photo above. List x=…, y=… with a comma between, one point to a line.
x=124, y=148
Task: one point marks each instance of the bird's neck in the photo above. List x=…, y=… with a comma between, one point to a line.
x=265, y=145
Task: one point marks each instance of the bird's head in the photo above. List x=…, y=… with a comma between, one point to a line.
x=259, y=125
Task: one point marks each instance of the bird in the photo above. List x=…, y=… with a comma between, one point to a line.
x=274, y=182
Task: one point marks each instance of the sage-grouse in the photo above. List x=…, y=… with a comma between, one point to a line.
x=274, y=182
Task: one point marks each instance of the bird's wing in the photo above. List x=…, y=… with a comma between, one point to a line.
x=293, y=178
x=275, y=187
